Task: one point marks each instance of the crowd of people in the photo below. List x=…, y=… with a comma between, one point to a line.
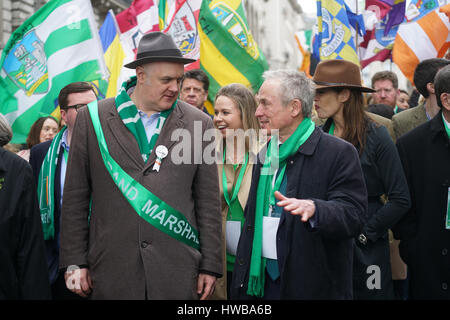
x=337, y=197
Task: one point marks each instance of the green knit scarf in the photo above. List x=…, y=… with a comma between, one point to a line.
x=264, y=196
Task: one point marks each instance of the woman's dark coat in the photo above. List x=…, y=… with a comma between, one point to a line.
x=383, y=175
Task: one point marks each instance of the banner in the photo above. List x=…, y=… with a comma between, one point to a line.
x=377, y=44
x=113, y=52
x=57, y=45
x=424, y=37
x=228, y=52
x=334, y=39
x=140, y=18
x=179, y=19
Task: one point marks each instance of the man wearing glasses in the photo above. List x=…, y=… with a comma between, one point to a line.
x=49, y=163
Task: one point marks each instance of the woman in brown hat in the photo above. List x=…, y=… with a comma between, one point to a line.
x=339, y=99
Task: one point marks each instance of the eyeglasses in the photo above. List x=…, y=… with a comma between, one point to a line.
x=75, y=106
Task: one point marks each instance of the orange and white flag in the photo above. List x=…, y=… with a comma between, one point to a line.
x=425, y=38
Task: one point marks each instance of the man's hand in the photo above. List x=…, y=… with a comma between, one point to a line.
x=303, y=208
x=78, y=281
x=205, y=285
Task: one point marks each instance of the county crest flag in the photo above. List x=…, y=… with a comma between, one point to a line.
x=179, y=19
x=334, y=37
x=228, y=52
x=57, y=45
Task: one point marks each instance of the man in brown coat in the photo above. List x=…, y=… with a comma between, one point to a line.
x=113, y=248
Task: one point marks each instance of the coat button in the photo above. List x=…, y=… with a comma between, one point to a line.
x=144, y=244
x=292, y=161
x=444, y=251
x=444, y=286
x=249, y=228
x=241, y=262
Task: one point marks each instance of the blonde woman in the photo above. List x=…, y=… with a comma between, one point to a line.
x=234, y=117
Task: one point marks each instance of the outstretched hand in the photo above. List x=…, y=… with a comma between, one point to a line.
x=303, y=208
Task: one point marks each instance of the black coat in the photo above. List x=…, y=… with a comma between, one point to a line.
x=314, y=263
x=23, y=269
x=425, y=243
x=383, y=174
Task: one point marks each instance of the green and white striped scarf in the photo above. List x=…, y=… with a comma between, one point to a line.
x=46, y=186
x=129, y=114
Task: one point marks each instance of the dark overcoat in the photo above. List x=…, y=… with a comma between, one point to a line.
x=127, y=257
x=425, y=242
x=383, y=174
x=314, y=263
x=23, y=269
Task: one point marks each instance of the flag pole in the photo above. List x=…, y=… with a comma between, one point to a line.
x=357, y=32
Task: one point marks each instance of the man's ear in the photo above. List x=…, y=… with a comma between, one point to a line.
x=430, y=87
x=445, y=100
x=296, y=106
x=140, y=74
x=63, y=114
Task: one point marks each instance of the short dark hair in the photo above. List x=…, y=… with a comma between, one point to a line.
x=198, y=75
x=425, y=73
x=385, y=75
x=442, y=83
x=73, y=87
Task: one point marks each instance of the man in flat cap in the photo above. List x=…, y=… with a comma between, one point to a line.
x=137, y=224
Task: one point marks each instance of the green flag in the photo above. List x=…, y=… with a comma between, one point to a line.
x=58, y=45
x=228, y=52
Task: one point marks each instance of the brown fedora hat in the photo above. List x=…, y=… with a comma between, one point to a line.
x=339, y=74
x=157, y=47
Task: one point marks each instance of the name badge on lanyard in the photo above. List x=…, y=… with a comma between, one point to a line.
x=447, y=218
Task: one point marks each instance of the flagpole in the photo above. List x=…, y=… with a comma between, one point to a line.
x=356, y=37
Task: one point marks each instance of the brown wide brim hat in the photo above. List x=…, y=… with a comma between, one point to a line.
x=157, y=47
x=339, y=74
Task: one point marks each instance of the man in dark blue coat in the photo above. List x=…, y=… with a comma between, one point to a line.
x=425, y=230
x=72, y=97
x=301, y=218
x=23, y=271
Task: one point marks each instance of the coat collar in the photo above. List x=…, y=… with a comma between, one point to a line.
x=437, y=127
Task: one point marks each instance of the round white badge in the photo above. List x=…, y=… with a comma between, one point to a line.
x=161, y=151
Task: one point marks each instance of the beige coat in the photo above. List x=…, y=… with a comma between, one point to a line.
x=407, y=120
x=127, y=257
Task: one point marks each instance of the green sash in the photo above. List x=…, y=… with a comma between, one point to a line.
x=148, y=206
x=131, y=119
x=46, y=186
x=265, y=197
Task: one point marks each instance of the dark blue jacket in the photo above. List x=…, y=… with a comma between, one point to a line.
x=23, y=271
x=314, y=263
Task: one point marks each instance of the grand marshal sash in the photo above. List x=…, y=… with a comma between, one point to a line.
x=148, y=206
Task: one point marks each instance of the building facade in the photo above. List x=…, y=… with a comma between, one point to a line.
x=273, y=24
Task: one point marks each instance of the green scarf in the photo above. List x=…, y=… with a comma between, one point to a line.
x=447, y=129
x=131, y=119
x=265, y=196
x=46, y=186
